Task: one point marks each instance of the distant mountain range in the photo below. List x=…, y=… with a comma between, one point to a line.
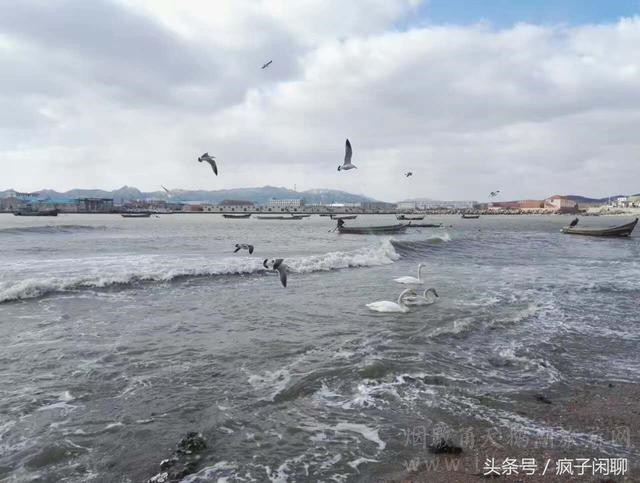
x=257, y=195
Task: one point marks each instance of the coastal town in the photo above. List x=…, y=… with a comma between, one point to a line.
x=14, y=202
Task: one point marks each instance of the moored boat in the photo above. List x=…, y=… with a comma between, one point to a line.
x=410, y=217
x=344, y=217
x=236, y=216
x=470, y=217
x=620, y=230
x=278, y=217
x=372, y=230
x=36, y=213
x=136, y=215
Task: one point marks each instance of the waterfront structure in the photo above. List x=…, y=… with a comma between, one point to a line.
x=426, y=204
x=560, y=204
x=11, y=204
x=94, y=205
x=237, y=204
x=522, y=205
x=285, y=203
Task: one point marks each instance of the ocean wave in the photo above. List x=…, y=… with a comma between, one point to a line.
x=162, y=271
x=416, y=246
x=49, y=229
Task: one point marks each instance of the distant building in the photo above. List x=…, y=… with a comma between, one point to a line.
x=560, y=204
x=523, y=205
x=11, y=204
x=94, y=205
x=237, y=203
x=406, y=205
x=434, y=204
x=285, y=203
x=377, y=206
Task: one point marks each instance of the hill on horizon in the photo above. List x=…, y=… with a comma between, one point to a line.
x=257, y=195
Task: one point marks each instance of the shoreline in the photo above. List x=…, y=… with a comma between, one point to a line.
x=594, y=422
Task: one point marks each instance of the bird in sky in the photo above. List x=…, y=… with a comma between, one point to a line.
x=211, y=160
x=347, y=158
x=264, y=66
x=495, y=193
x=408, y=173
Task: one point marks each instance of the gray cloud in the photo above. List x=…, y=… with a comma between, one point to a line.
x=100, y=91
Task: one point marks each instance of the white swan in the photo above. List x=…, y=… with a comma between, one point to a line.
x=427, y=298
x=412, y=280
x=388, y=306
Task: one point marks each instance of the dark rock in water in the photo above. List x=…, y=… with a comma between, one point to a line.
x=542, y=398
x=445, y=447
x=192, y=443
x=168, y=463
x=183, y=462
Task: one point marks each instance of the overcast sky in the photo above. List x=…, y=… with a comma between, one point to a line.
x=532, y=98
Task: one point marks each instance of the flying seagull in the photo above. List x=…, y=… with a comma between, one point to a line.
x=243, y=246
x=493, y=194
x=276, y=264
x=169, y=192
x=211, y=160
x=347, y=158
x=408, y=173
x=267, y=64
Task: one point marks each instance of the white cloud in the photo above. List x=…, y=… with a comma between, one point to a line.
x=530, y=110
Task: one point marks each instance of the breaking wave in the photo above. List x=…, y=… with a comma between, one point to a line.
x=159, y=270
x=49, y=229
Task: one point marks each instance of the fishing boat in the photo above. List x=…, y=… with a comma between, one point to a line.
x=470, y=217
x=372, y=230
x=236, y=216
x=424, y=225
x=36, y=213
x=620, y=230
x=344, y=217
x=278, y=217
x=136, y=215
x=410, y=217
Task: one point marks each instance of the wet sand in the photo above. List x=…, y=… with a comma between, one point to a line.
x=606, y=416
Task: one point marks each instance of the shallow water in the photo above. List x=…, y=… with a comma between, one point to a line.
x=121, y=335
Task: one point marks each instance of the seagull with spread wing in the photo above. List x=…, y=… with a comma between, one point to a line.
x=348, y=152
x=211, y=160
x=278, y=265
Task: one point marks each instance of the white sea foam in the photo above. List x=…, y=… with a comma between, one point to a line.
x=270, y=382
x=102, y=272
x=220, y=472
x=361, y=429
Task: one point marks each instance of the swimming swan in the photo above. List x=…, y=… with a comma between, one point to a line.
x=412, y=280
x=427, y=298
x=388, y=306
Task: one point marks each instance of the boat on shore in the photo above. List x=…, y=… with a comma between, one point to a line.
x=344, y=217
x=236, y=216
x=372, y=230
x=136, y=215
x=36, y=213
x=278, y=217
x=410, y=217
x=470, y=217
x=620, y=230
